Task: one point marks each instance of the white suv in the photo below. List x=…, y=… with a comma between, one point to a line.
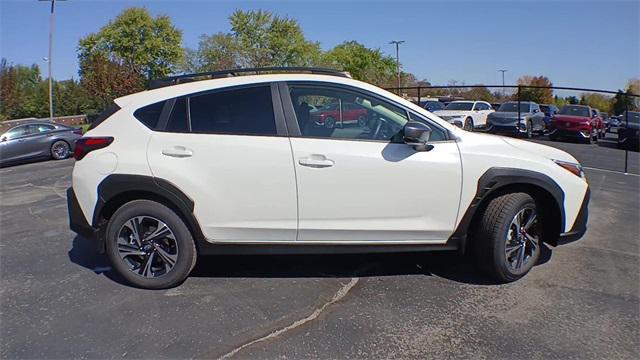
x=240, y=164
x=467, y=114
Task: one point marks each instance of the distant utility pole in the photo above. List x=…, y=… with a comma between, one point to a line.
x=397, y=43
x=503, y=71
x=49, y=58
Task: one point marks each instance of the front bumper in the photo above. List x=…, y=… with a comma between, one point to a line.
x=506, y=129
x=77, y=222
x=580, y=225
x=577, y=133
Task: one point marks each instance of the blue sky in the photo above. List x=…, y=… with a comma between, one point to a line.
x=574, y=43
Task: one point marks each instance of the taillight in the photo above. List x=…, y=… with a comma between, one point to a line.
x=86, y=145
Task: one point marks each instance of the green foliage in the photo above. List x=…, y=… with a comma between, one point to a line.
x=598, y=101
x=479, y=93
x=23, y=93
x=365, y=64
x=148, y=46
x=105, y=80
x=540, y=96
x=215, y=52
x=263, y=39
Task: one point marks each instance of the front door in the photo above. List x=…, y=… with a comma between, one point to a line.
x=362, y=184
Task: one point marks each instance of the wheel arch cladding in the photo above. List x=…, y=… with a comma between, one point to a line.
x=498, y=181
x=117, y=189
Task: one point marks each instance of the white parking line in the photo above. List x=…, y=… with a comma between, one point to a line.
x=610, y=171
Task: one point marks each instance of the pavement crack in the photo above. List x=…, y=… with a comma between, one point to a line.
x=341, y=293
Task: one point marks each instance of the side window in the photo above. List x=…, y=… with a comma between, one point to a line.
x=15, y=132
x=150, y=114
x=39, y=128
x=247, y=111
x=332, y=112
x=178, y=120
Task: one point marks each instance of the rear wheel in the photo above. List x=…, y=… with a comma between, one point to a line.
x=362, y=121
x=149, y=245
x=507, y=241
x=60, y=150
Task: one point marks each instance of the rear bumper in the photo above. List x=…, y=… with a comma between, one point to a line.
x=580, y=225
x=77, y=222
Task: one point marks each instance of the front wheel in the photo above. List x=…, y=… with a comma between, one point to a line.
x=329, y=122
x=507, y=241
x=149, y=245
x=468, y=124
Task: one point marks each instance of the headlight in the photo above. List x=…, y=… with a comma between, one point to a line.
x=575, y=169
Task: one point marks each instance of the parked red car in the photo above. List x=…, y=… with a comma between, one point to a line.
x=576, y=121
x=329, y=115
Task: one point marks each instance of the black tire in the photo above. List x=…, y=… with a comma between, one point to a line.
x=468, y=124
x=60, y=150
x=362, y=121
x=329, y=122
x=493, y=230
x=185, y=250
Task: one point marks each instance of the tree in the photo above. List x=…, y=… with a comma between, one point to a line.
x=105, y=80
x=22, y=93
x=365, y=64
x=539, y=95
x=479, y=93
x=264, y=39
x=147, y=46
x=215, y=52
x=598, y=101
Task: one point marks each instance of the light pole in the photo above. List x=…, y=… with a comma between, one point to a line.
x=397, y=43
x=49, y=58
x=503, y=71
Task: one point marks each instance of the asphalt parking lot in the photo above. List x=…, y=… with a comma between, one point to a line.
x=59, y=299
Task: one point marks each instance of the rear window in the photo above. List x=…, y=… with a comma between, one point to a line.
x=112, y=109
x=150, y=114
x=247, y=111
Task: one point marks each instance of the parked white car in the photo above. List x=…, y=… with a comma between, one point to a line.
x=466, y=114
x=238, y=164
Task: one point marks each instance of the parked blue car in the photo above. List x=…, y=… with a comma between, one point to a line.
x=549, y=111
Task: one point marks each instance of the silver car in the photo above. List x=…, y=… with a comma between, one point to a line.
x=37, y=140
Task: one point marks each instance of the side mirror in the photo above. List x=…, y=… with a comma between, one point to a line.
x=416, y=134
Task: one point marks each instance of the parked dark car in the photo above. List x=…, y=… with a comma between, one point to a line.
x=505, y=119
x=37, y=139
x=629, y=130
x=574, y=121
x=613, y=122
x=549, y=110
x=495, y=106
x=431, y=105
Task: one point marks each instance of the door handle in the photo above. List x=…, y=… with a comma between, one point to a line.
x=177, y=152
x=316, y=161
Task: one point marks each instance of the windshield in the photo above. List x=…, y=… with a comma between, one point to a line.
x=513, y=107
x=459, y=106
x=574, y=111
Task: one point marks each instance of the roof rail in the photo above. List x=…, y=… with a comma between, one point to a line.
x=178, y=79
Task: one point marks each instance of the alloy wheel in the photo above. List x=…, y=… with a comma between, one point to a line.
x=522, y=240
x=147, y=246
x=60, y=150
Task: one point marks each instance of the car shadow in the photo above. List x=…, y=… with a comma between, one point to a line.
x=445, y=264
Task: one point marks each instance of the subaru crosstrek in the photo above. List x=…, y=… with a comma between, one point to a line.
x=239, y=165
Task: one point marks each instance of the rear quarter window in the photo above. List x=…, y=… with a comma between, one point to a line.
x=150, y=114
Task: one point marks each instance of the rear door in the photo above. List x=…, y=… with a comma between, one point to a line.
x=228, y=151
x=362, y=183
